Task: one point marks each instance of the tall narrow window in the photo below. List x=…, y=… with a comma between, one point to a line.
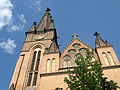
x=105, y=58
x=38, y=61
x=53, y=65
x=111, y=58
x=29, y=79
x=33, y=61
x=35, y=78
x=48, y=65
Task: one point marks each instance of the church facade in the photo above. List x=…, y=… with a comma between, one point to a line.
x=41, y=66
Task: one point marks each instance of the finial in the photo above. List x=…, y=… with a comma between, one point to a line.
x=34, y=23
x=96, y=34
x=75, y=36
x=48, y=9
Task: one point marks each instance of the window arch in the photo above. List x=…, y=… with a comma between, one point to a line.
x=67, y=61
x=71, y=51
x=48, y=65
x=111, y=58
x=105, y=58
x=82, y=50
x=53, y=65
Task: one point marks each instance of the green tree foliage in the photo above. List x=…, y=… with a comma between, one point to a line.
x=88, y=75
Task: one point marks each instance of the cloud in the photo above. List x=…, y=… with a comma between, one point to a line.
x=19, y=26
x=13, y=28
x=36, y=5
x=22, y=18
x=8, y=46
x=5, y=13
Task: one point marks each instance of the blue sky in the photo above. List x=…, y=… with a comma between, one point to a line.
x=82, y=17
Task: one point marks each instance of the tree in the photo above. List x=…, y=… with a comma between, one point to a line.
x=88, y=75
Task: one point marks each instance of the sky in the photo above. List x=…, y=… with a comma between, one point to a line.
x=82, y=17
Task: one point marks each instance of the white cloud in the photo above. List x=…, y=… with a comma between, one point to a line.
x=22, y=18
x=36, y=5
x=5, y=13
x=19, y=26
x=13, y=28
x=8, y=46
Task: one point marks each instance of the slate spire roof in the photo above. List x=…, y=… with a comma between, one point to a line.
x=45, y=23
x=99, y=42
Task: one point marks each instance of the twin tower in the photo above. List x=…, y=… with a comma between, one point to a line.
x=41, y=66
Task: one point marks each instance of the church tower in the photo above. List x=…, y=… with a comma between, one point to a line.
x=41, y=66
x=105, y=52
x=40, y=54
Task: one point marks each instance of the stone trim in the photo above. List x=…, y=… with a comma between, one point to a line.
x=40, y=31
x=111, y=67
x=51, y=74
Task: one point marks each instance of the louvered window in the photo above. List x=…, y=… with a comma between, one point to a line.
x=29, y=79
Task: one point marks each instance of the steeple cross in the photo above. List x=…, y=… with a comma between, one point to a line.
x=96, y=34
x=75, y=36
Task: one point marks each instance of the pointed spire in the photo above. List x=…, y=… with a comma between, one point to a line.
x=33, y=28
x=99, y=42
x=53, y=48
x=46, y=22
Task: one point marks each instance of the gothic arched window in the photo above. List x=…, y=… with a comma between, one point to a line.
x=71, y=51
x=111, y=58
x=48, y=65
x=67, y=61
x=38, y=60
x=76, y=45
x=53, y=65
x=33, y=61
x=82, y=50
x=76, y=57
x=105, y=58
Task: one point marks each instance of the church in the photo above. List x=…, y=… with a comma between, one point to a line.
x=41, y=65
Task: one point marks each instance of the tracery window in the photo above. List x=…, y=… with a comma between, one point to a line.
x=67, y=61
x=53, y=65
x=111, y=58
x=71, y=51
x=76, y=45
x=76, y=57
x=33, y=73
x=82, y=50
x=105, y=58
